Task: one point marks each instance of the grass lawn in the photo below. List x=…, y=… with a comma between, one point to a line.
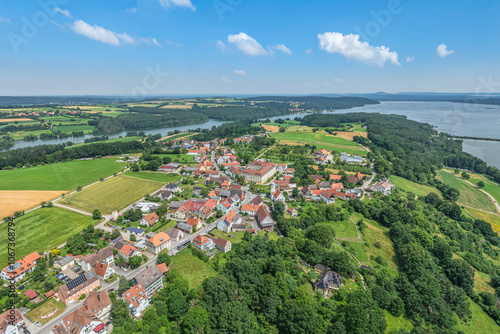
x=48, y=307
x=181, y=158
x=416, y=188
x=479, y=323
x=113, y=194
x=493, y=219
x=320, y=139
x=42, y=229
x=155, y=176
x=397, y=322
x=192, y=268
x=60, y=176
x=375, y=233
x=469, y=196
x=360, y=252
x=491, y=188
x=344, y=229
x=184, y=135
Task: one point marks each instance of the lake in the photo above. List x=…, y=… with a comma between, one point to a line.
x=459, y=119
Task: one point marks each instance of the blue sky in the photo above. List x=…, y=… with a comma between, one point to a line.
x=218, y=47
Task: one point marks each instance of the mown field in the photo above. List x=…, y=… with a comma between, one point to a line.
x=113, y=194
x=180, y=158
x=60, y=176
x=469, y=196
x=71, y=128
x=416, y=188
x=155, y=176
x=320, y=140
x=41, y=230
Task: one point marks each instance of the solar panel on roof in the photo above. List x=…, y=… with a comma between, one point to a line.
x=76, y=282
x=90, y=274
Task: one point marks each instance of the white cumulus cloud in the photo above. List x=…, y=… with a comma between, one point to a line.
x=65, y=12
x=309, y=51
x=240, y=72
x=443, y=52
x=177, y=3
x=281, y=47
x=226, y=80
x=410, y=59
x=132, y=10
x=350, y=47
x=4, y=20
x=246, y=44
x=103, y=35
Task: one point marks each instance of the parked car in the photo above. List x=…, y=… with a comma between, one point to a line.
x=111, y=290
x=21, y=287
x=59, y=275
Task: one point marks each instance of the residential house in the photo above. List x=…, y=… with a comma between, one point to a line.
x=292, y=211
x=89, y=318
x=18, y=270
x=277, y=196
x=165, y=195
x=12, y=322
x=328, y=282
x=207, y=210
x=383, y=186
x=221, y=244
x=202, y=243
x=175, y=234
x=64, y=263
x=250, y=209
x=358, y=192
x=265, y=219
x=197, y=190
x=328, y=196
x=226, y=223
x=151, y=279
x=225, y=185
x=174, y=205
x=351, y=159
x=89, y=261
x=227, y=205
x=83, y=284
x=195, y=222
x=281, y=167
x=257, y=200
x=324, y=185
x=137, y=299
x=158, y=242
x=334, y=177
x=337, y=186
x=126, y=251
x=173, y=187
x=150, y=220
x=135, y=231
x=104, y=271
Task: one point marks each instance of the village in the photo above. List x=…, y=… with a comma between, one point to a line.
x=229, y=197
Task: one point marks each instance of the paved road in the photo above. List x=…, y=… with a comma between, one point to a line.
x=45, y=329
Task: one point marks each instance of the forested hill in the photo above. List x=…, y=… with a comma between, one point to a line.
x=319, y=102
